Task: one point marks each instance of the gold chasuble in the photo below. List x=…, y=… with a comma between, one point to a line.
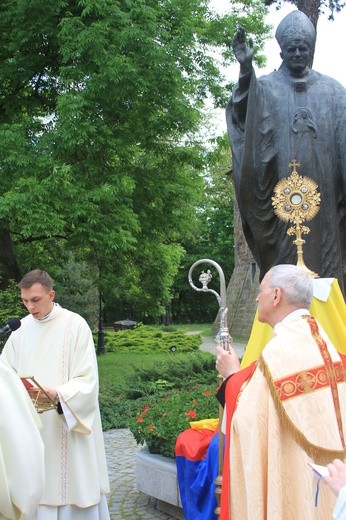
x=289, y=413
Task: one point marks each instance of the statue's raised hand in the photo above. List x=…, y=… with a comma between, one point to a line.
x=242, y=51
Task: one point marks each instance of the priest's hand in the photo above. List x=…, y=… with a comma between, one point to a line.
x=227, y=361
x=39, y=397
x=337, y=475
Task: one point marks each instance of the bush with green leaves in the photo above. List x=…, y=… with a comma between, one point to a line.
x=140, y=369
x=116, y=412
x=146, y=339
x=159, y=421
x=10, y=303
x=174, y=372
x=10, y=306
x=128, y=380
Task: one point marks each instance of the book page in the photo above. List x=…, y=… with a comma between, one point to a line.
x=319, y=471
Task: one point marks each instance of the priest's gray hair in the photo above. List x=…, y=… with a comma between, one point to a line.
x=295, y=282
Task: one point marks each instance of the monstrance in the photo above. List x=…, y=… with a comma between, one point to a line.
x=296, y=200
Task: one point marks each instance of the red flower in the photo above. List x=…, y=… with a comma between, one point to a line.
x=144, y=411
x=192, y=414
x=194, y=402
x=140, y=419
x=207, y=393
x=151, y=427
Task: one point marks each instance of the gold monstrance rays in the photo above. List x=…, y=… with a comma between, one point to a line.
x=296, y=200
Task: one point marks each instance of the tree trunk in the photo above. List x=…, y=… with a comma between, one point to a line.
x=310, y=8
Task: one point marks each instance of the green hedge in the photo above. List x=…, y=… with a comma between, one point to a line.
x=147, y=339
x=139, y=370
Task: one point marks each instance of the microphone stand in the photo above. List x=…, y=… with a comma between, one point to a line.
x=224, y=341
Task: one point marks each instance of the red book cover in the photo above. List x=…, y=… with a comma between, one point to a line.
x=27, y=383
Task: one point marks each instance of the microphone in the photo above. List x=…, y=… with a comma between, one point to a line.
x=11, y=325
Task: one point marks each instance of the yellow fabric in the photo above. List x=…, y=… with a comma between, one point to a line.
x=330, y=314
x=209, y=424
x=270, y=475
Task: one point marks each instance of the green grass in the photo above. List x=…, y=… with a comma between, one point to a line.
x=116, y=368
x=141, y=377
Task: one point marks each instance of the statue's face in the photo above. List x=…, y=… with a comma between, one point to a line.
x=296, y=55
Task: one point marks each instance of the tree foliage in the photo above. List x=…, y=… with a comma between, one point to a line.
x=214, y=240
x=101, y=103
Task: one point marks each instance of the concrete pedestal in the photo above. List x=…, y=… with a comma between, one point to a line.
x=156, y=476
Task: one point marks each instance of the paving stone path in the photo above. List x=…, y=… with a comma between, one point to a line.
x=124, y=501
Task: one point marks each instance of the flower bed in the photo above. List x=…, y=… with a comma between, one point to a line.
x=161, y=418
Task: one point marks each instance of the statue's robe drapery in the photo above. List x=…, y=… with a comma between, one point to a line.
x=271, y=121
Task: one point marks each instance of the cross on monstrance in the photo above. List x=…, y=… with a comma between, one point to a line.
x=296, y=200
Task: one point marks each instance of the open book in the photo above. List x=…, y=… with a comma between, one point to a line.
x=41, y=400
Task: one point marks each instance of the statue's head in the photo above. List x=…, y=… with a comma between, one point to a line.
x=296, y=36
x=296, y=25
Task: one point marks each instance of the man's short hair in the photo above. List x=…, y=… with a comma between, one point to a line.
x=294, y=281
x=36, y=276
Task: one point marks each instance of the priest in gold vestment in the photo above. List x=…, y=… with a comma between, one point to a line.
x=284, y=411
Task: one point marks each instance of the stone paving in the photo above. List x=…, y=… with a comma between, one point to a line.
x=124, y=501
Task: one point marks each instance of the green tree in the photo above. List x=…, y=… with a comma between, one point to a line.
x=214, y=240
x=76, y=289
x=10, y=303
x=100, y=107
x=10, y=307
